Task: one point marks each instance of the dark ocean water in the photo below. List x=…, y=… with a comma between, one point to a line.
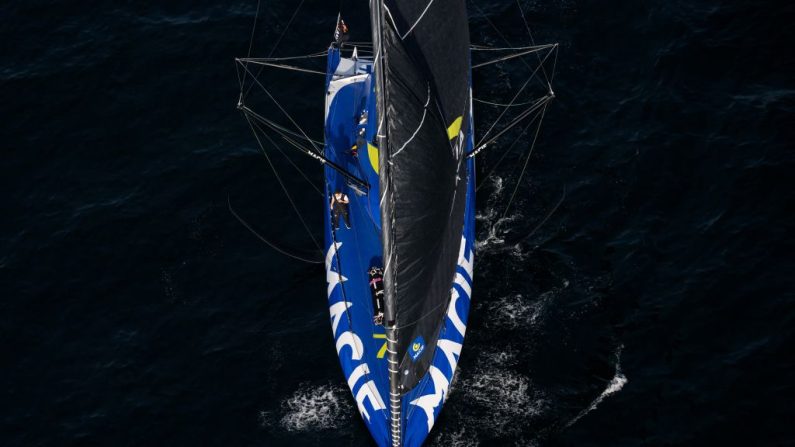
x=654, y=307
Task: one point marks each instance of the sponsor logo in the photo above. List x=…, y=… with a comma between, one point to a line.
x=417, y=347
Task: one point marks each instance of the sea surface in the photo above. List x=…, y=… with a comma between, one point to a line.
x=653, y=306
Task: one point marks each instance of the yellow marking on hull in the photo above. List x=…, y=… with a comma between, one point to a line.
x=381, y=352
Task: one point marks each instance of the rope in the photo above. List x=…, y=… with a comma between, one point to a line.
x=269, y=243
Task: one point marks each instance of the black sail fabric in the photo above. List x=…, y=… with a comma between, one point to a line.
x=423, y=176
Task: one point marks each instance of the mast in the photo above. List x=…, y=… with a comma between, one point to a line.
x=379, y=69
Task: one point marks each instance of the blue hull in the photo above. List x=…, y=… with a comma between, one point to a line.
x=361, y=344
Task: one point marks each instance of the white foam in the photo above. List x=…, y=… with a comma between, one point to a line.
x=498, y=185
x=616, y=384
x=313, y=408
x=506, y=357
x=516, y=311
x=492, y=221
x=459, y=438
x=507, y=398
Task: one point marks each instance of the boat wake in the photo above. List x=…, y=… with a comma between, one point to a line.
x=314, y=408
x=491, y=398
x=615, y=385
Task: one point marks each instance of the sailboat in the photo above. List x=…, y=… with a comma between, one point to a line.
x=411, y=105
x=399, y=188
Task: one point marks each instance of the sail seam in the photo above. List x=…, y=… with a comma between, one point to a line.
x=424, y=112
x=392, y=19
x=417, y=22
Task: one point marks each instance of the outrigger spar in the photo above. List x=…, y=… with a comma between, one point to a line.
x=399, y=194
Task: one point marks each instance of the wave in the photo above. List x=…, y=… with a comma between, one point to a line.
x=616, y=384
x=313, y=408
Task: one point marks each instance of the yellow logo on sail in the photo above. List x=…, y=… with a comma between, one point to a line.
x=452, y=131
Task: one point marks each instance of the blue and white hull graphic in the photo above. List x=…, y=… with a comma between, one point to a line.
x=351, y=252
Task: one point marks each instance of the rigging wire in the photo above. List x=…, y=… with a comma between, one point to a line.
x=290, y=22
x=267, y=242
x=281, y=184
x=485, y=17
x=288, y=58
x=250, y=43
x=275, y=45
x=532, y=75
x=497, y=104
x=476, y=47
x=532, y=41
x=282, y=66
x=524, y=168
x=289, y=160
x=515, y=55
x=275, y=126
x=543, y=101
x=505, y=153
x=545, y=219
x=284, y=112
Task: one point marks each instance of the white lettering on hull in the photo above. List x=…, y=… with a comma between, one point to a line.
x=336, y=310
x=348, y=338
x=370, y=392
x=333, y=278
x=453, y=314
x=367, y=391
x=429, y=402
x=450, y=348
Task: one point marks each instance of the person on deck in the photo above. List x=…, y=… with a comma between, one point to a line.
x=341, y=33
x=361, y=143
x=376, y=276
x=339, y=207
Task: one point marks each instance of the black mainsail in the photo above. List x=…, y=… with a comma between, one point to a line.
x=423, y=86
